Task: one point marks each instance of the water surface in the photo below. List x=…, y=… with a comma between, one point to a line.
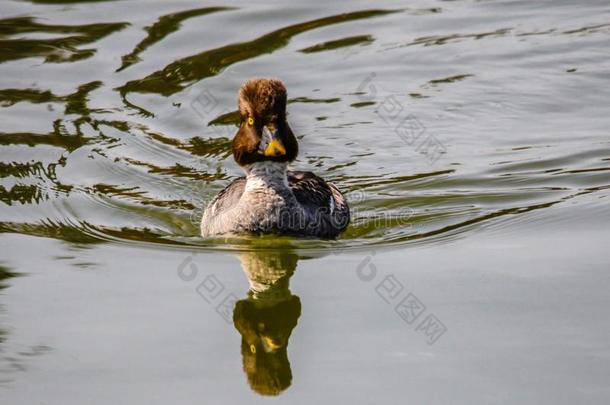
x=471, y=138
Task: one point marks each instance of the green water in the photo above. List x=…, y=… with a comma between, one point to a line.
x=471, y=140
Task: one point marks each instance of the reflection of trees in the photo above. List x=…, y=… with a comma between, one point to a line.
x=164, y=26
x=177, y=75
x=63, y=49
x=5, y=274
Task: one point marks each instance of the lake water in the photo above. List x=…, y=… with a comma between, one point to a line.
x=471, y=139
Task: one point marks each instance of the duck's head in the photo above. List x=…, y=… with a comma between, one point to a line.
x=264, y=134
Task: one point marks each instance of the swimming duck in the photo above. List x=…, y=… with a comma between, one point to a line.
x=270, y=198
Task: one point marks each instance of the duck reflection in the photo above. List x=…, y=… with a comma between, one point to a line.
x=266, y=318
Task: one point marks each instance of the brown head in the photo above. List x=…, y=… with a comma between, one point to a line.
x=264, y=134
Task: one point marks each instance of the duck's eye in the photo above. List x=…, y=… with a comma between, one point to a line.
x=250, y=121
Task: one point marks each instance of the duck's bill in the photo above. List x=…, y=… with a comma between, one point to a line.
x=273, y=144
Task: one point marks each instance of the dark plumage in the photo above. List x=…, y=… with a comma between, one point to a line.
x=264, y=100
x=270, y=198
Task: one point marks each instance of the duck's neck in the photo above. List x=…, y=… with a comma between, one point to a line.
x=266, y=175
x=270, y=294
x=269, y=275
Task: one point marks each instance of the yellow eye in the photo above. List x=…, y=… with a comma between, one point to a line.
x=250, y=121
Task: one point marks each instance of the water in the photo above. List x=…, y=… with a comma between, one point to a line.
x=471, y=139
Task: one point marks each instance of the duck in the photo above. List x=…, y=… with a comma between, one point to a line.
x=271, y=198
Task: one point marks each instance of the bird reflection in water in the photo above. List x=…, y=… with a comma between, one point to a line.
x=266, y=318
